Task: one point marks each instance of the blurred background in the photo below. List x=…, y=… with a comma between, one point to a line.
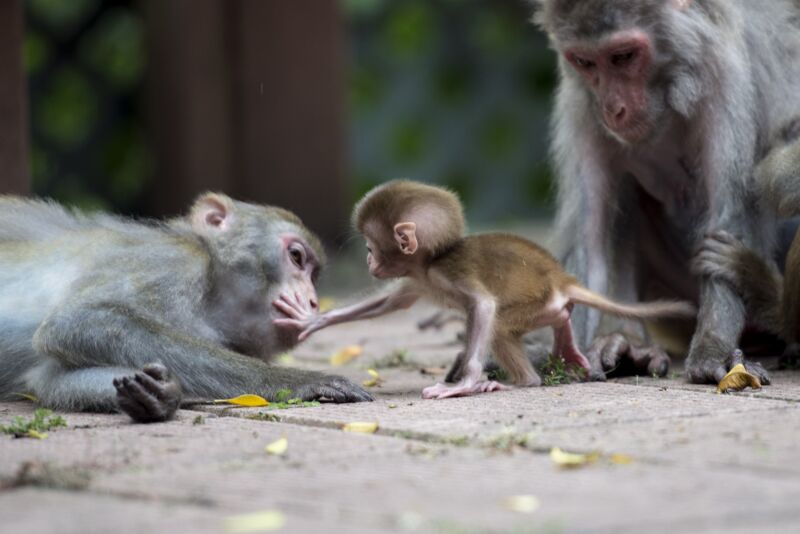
x=136, y=106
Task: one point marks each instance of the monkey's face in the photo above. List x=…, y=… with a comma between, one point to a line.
x=617, y=71
x=383, y=263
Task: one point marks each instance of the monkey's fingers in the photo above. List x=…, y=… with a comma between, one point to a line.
x=157, y=370
x=289, y=310
x=151, y=385
x=137, y=402
x=336, y=389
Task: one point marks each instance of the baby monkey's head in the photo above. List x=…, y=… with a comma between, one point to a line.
x=406, y=224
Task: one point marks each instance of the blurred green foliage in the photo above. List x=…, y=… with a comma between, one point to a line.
x=85, y=61
x=455, y=92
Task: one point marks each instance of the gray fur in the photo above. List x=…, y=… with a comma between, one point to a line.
x=85, y=299
x=726, y=75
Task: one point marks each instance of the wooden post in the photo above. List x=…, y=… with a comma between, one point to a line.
x=14, y=174
x=247, y=98
x=291, y=99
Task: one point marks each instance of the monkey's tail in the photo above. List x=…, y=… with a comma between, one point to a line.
x=646, y=310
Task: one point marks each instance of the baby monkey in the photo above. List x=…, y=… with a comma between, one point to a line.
x=506, y=285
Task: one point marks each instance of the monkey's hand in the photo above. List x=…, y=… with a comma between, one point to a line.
x=149, y=396
x=299, y=317
x=614, y=355
x=332, y=388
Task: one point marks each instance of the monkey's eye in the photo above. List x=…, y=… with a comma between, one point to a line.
x=623, y=58
x=298, y=256
x=369, y=249
x=583, y=63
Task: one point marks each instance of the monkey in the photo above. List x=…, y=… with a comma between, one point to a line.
x=101, y=313
x=662, y=110
x=505, y=285
x=772, y=299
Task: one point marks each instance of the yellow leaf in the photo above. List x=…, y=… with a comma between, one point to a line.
x=277, y=447
x=30, y=397
x=376, y=379
x=391, y=406
x=326, y=304
x=737, y=379
x=244, y=400
x=620, y=459
x=257, y=522
x=361, y=427
x=345, y=355
x=524, y=504
x=36, y=434
x=570, y=460
x=286, y=358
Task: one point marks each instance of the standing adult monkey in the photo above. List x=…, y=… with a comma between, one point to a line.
x=663, y=109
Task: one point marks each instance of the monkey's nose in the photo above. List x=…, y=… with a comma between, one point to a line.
x=616, y=115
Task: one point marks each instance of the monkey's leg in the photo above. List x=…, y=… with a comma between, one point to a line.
x=480, y=322
x=508, y=351
x=566, y=348
x=439, y=320
x=149, y=396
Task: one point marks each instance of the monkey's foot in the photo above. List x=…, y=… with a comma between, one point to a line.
x=790, y=359
x=150, y=395
x=614, y=355
x=443, y=391
x=710, y=370
x=334, y=389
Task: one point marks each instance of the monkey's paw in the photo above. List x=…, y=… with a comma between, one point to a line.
x=150, y=395
x=702, y=367
x=614, y=355
x=333, y=388
x=443, y=391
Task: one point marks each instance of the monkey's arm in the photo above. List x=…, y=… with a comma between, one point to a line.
x=90, y=346
x=309, y=322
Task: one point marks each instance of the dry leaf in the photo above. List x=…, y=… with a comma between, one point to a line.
x=524, y=504
x=361, y=427
x=36, y=434
x=620, y=459
x=326, y=304
x=737, y=379
x=376, y=379
x=345, y=355
x=244, y=400
x=570, y=460
x=29, y=396
x=257, y=522
x=277, y=447
x=391, y=406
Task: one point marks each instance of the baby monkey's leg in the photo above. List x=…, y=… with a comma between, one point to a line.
x=480, y=323
x=564, y=341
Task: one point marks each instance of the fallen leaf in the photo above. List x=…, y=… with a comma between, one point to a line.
x=286, y=358
x=571, y=460
x=345, y=355
x=29, y=396
x=376, y=379
x=326, y=304
x=391, y=406
x=524, y=504
x=256, y=522
x=737, y=379
x=36, y=434
x=277, y=447
x=361, y=427
x=433, y=370
x=244, y=400
x=620, y=459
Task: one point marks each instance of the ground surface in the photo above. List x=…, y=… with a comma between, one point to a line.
x=700, y=461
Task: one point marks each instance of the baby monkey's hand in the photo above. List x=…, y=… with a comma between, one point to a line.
x=299, y=315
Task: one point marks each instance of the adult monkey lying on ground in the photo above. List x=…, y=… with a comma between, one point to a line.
x=89, y=302
x=663, y=107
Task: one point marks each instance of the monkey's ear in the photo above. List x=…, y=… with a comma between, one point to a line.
x=212, y=213
x=405, y=233
x=681, y=5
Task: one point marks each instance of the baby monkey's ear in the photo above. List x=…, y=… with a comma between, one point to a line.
x=405, y=233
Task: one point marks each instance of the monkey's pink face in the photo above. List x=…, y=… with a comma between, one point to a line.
x=617, y=72
x=302, y=267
